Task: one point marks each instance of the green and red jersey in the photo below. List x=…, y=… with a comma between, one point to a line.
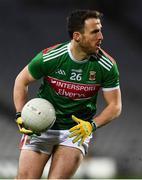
x=70, y=85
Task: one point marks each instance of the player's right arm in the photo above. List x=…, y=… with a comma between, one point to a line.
x=29, y=74
x=20, y=94
x=32, y=72
x=20, y=91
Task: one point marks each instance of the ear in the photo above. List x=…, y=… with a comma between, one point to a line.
x=76, y=36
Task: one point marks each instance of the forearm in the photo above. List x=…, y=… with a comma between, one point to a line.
x=111, y=112
x=19, y=94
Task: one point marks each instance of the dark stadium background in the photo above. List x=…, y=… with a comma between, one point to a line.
x=28, y=26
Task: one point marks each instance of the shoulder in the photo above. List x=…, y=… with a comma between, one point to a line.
x=55, y=52
x=105, y=60
x=105, y=54
x=55, y=49
x=44, y=51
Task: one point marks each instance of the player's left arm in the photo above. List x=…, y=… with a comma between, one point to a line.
x=112, y=109
x=112, y=96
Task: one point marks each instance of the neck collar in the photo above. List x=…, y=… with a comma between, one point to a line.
x=71, y=55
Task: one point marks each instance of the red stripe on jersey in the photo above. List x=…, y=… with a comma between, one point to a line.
x=106, y=54
x=47, y=49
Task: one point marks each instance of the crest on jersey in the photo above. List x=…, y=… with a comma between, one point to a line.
x=92, y=75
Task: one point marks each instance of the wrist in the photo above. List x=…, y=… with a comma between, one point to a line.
x=18, y=114
x=94, y=125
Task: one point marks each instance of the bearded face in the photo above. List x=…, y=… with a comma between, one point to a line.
x=90, y=39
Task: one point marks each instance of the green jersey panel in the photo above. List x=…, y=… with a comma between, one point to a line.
x=72, y=86
x=35, y=67
x=110, y=70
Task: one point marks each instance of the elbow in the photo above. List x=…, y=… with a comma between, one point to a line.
x=118, y=110
x=17, y=82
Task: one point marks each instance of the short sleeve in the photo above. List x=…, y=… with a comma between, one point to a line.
x=111, y=79
x=35, y=66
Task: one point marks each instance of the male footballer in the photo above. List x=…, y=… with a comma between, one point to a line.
x=73, y=73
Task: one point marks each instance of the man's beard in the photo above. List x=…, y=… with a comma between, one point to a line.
x=86, y=48
x=88, y=51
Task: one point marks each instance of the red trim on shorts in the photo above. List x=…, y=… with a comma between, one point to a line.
x=23, y=141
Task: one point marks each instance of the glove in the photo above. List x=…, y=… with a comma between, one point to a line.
x=20, y=124
x=82, y=130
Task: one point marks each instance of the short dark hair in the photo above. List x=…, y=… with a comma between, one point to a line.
x=75, y=21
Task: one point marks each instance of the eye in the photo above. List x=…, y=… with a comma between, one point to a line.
x=95, y=31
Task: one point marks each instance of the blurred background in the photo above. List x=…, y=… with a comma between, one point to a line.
x=27, y=27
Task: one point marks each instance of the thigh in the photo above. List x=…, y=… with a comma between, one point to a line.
x=31, y=164
x=65, y=161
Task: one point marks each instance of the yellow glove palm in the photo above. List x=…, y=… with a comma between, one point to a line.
x=82, y=130
x=22, y=129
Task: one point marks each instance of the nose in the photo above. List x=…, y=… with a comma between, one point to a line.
x=100, y=36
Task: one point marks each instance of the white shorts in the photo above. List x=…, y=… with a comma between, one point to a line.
x=46, y=142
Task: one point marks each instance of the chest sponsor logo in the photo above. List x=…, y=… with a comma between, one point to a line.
x=73, y=90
